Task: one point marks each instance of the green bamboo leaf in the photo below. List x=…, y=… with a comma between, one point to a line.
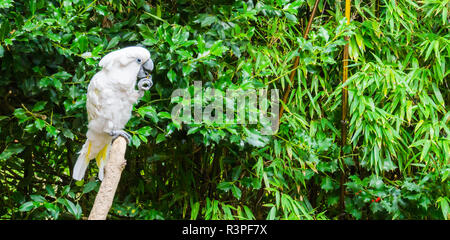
x=444, y=15
x=32, y=4
x=443, y=202
x=409, y=111
x=224, y=186
x=426, y=148
x=195, y=210
x=430, y=49
x=438, y=94
x=291, y=17
x=236, y=192
x=272, y=214
x=249, y=213
x=436, y=50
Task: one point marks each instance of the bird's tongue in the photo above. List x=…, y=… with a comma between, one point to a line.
x=147, y=76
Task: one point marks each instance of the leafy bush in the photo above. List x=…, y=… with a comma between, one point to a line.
x=396, y=160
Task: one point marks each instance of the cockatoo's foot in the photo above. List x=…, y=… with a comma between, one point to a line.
x=116, y=133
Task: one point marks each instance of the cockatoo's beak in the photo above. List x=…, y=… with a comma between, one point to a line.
x=145, y=70
x=148, y=65
x=145, y=79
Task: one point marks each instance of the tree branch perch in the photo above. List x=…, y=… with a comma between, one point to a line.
x=113, y=170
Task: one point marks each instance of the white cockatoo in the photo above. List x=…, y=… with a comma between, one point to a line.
x=110, y=98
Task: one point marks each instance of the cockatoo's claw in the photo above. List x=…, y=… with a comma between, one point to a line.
x=145, y=84
x=116, y=133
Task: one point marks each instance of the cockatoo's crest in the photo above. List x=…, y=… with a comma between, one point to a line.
x=125, y=56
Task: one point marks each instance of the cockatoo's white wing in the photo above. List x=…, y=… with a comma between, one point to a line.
x=98, y=141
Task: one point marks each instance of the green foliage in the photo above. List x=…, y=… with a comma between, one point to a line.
x=398, y=152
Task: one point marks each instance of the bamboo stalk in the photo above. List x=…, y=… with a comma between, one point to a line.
x=344, y=79
x=297, y=59
x=344, y=109
x=113, y=170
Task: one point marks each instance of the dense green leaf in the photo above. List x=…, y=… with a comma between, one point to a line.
x=395, y=155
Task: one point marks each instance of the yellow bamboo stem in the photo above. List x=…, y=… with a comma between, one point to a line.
x=344, y=78
x=344, y=108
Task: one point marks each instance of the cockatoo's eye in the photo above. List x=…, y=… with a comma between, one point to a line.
x=139, y=60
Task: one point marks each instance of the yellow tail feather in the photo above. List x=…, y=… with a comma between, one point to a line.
x=88, y=152
x=101, y=156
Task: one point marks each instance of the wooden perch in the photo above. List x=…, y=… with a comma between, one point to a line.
x=113, y=170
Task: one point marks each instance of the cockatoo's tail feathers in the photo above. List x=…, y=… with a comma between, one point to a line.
x=82, y=162
x=101, y=170
x=84, y=158
x=101, y=156
x=88, y=151
x=101, y=160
